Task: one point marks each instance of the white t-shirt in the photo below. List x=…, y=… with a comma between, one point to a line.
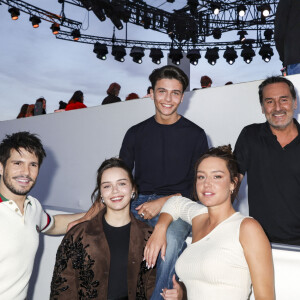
x=19, y=235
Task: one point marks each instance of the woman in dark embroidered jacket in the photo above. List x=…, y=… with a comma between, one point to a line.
x=103, y=258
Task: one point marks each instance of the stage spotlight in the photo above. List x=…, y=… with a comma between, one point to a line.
x=193, y=55
x=217, y=33
x=268, y=34
x=55, y=28
x=35, y=21
x=247, y=53
x=193, y=4
x=100, y=50
x=266, y=52
x=230, y=55
x=265, y=10
x=241, y=10
x=87, y=4
x=215, y=7
x=119, y=52
x=156, y=54
x=176, y=56
x=76, y=34
x=137, y=53
x=125, y=15
x=242, y=34
x=117, y=22
x=212, y=54
x=147, y=22
x=14, y=12
x=99, y=13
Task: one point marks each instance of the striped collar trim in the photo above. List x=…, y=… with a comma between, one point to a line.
x=3, y=199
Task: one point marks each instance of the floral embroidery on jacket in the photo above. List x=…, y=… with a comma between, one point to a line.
x=81, y=261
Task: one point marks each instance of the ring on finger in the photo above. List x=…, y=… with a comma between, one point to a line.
x=142, y=215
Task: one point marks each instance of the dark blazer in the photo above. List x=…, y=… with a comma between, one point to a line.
x=83, y=260
x=287, y=31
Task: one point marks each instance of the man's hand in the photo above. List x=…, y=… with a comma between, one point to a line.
x=152, y=208
x=174, y=294
x=92, y=212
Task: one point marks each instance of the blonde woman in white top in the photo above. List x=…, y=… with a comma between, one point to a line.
x=229, y=251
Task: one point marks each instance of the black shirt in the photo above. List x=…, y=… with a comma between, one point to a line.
x=110, y=99
x=273, y=176
x=118, y=242
x=164, y=156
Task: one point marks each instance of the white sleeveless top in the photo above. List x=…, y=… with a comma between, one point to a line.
x=213, y=268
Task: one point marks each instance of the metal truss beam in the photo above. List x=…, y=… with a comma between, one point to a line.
x=42, y=14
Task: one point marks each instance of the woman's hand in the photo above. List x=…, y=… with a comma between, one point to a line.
x=157, y=242
x=173, y=294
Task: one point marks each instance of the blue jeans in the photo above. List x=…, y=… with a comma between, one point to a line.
x=293, y=69
x=177, y=233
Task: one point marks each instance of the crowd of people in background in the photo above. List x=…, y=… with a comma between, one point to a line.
x=77, y=99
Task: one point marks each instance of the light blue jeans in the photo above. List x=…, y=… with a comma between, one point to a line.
x=293, y=69
x=177, y=233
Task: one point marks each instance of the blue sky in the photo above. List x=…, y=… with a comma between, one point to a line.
x=34, y=63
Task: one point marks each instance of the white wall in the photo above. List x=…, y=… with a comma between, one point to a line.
x=78, y=141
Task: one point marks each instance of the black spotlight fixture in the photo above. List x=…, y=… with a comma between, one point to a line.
x=176, y=55
x=241, y=10
x=137, y=53
x=230, y=55
x=193, y=4
x=35, y=21
x=247, y=53
x=117, y=22
x=100, y=14
x=268, y=34
x=76, y=34
x=125, y=15
x=212, y=54
x=217, y=33
x=55, y=28
x=119, y=52
x=215, y=7
x=14, y=12
x=100, y=50
x=193, y=55
x=265, y=10
x=266, y=52
x=156, y=54
x=242, y=34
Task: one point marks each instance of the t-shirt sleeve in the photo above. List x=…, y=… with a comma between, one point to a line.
x=241, y=152
x=201, y=146
x=47, y=221
x=127, y=149
x=183, y=208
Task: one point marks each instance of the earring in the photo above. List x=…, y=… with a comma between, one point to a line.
x=102, y=200
x=132, y=195
x=231, y=192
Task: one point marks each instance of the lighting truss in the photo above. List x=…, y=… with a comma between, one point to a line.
x=42, y=14
x=186, y=31
x=204, y=21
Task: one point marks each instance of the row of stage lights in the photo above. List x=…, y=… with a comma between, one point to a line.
x=265, y=9
x=156, y=54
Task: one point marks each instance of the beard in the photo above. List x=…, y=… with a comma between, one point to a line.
x=20, y=192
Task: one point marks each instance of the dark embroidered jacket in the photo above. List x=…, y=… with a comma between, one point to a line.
x=82, y=263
